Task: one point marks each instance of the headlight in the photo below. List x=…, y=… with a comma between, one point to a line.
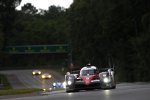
x=54, y=84
x=69, y=82
x=50, y=89
x=33, y=73
x=44, y=90
x=43, y=76
x=106, y=80
x=39, y=72
x=49, y=76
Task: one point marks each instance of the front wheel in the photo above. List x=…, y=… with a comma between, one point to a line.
x=75, y=90
x=68, y=91
x=113, y=87
x=71, y=90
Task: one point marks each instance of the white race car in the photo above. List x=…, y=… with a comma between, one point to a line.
x=89, y=77
x=107, y=78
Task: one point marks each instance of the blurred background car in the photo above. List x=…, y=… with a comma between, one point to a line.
x=36, y=72
x=46, y=76
x=57, y=85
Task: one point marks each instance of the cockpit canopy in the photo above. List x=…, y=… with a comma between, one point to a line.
x=85, y=71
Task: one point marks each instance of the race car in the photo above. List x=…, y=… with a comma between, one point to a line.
x=46, y=76
x=36, y=72
x=107, y=79
x=58, y=85
x=89, y=77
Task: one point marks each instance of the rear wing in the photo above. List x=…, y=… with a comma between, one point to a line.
x=105, y=69
x=75, y=70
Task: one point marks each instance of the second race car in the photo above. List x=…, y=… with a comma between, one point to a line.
x=46, y=76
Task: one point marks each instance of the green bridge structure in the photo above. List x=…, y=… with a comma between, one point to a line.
x=32, y=49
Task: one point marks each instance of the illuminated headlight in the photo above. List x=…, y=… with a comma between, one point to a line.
x=50, y=89
x=54, y=84
x=43, y=76
x=33, y=73
x=49, y=76
x=106, y=80
x=69, y=82
x=39, y=72
x=44, y=90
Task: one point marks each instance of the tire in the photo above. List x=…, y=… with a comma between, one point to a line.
x=68, y=91
x=113, y=87
x=71, y=90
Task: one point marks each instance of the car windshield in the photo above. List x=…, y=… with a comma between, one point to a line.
x=88, y=72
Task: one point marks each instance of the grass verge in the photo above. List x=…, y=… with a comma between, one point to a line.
x=17, y=91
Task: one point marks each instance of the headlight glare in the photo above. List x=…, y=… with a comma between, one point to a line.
x=49, y=76
x=54, y=84
x=69, y=82
x=106, y=80
x=43, y=76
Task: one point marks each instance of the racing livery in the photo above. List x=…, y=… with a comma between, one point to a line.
x=89, y=78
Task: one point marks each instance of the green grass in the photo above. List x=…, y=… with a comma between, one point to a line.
x=17, y=91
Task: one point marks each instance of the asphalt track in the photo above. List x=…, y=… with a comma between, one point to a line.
x=126, y=91
x=24, y=79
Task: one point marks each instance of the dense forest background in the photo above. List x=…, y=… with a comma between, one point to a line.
x=108, y=33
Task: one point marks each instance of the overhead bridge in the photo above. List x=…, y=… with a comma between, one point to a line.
x=30, y=49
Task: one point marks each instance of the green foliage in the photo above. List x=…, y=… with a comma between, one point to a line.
x=108, y=33
x=39, y=29
x=36, y=29
x=1, y=38
x=112, y=33
x=29, y=9
x=7, y=17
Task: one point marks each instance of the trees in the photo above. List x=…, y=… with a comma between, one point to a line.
x=106, y=29
x=29, y=9
x=37, y=29
x=7, y=17
x=104, y=32
x=47, y=28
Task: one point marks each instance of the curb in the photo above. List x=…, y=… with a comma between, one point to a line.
x=53, y=92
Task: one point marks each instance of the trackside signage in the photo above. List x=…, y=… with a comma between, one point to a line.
x=29, y=49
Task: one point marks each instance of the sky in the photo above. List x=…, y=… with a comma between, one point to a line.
x=44, y=4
